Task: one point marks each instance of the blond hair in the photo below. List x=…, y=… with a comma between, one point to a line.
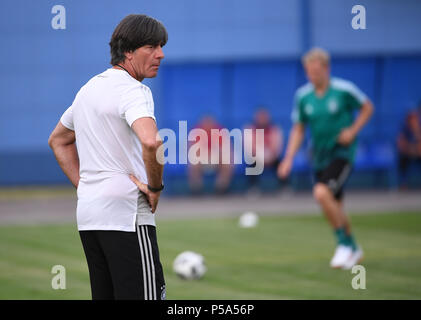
x=318, y=54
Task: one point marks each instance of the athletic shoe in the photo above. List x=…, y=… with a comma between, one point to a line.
x=341, y=256
x=356, y=258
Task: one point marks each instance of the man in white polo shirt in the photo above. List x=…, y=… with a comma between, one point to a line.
x=106, y=144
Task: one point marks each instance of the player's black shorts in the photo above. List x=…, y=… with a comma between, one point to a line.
x=334, y=176
x=124, y=265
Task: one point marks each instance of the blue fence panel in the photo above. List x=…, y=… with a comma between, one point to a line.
x=191, y=91
x=269, y=84
x=401, y=91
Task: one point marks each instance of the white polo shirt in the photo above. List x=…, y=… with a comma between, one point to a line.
x=101, y=116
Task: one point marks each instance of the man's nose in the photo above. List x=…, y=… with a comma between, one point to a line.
x=160, y=53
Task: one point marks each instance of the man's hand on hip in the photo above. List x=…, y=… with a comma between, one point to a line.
x=151, y=197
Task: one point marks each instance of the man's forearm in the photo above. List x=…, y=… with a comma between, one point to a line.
x=68, y=161
x=147, y=132
x=154, y=169
x=295, y=140
x=364, y=115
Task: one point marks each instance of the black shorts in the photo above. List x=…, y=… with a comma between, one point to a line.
x=334, y=176
x=124, y=265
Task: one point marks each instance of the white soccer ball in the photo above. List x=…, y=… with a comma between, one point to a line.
x=248, y=219
x=189, y=265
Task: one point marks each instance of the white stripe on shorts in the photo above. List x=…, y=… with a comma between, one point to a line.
x=142, y=254
x=342, y=177
x=152, y=263
x=148, y=267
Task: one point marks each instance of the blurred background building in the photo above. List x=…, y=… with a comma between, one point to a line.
x=224, y=58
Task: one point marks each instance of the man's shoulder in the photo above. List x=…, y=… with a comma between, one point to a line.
x=120, y=77
x=114, y=81
x=304, y=90
x=144, y=87
x=108, y=74
x=131, y=83
x=342, y=84
x=349, y=88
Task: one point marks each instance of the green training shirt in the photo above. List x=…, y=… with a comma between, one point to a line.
x=326, y=116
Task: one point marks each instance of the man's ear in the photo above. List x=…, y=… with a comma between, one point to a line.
x=129, y=55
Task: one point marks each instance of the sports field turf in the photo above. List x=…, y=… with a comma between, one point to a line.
x=283, y=258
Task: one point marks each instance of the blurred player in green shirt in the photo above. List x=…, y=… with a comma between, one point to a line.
x=326, y=105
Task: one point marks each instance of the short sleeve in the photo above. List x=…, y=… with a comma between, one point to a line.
x=135, y=103
x=356, y=97
x=297, y=114
x=67, y=119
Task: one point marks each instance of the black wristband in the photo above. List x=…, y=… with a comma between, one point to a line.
x=155, y=190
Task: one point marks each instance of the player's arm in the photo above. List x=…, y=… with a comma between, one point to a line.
x=147, y=132
x=294, y=142
x=63, y=143
x=348, y=134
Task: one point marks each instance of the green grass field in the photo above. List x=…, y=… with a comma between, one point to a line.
x=283, y=258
